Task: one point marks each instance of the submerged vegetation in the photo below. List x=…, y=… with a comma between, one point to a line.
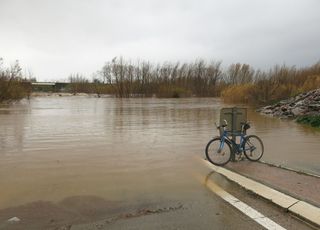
x=80, y=84
x=237, y=83
x=167, y=80
x=13, y=86
x=312, y=120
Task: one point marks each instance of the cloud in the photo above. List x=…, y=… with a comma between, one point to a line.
x=56, y=38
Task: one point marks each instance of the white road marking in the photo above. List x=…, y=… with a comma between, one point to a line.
x=293, y=205
x=279, y=198
x=244, y=208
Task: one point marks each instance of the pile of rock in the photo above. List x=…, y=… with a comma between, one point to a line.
x=303, y=104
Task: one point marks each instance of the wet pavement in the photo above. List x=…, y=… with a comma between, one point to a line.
x=203, y=210
x=299, y=185
x=200, y=209
x=207, y=211
x=200, y=214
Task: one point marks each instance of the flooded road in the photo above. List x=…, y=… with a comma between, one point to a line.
x=125, y=150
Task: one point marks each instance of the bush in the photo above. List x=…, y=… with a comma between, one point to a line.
x=172, y=92
x=312, y=82
x=12, y=86
x=238, y=93
x=313, y=120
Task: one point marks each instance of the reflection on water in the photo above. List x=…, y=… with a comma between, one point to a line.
x=133, y=149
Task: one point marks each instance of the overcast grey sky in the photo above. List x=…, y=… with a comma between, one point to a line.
x=54, y=38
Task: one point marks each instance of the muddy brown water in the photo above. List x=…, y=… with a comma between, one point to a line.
x=127, y=150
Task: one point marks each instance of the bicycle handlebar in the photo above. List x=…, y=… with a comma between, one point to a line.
x=224, y=125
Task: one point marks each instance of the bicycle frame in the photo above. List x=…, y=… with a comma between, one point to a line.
x=237, y=148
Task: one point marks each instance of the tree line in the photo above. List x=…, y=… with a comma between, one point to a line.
x=143, y=78
x=237, y=83
x=264, y=87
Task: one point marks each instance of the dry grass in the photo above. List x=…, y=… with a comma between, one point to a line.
x=276, y=84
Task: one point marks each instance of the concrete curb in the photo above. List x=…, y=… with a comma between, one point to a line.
x=300, y=208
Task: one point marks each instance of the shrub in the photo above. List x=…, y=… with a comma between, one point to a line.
x=313, y=120
x=238, y=93
x=312, y=82
x=12, y=86
x=172, y=92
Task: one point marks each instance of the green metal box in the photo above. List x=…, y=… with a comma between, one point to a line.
x=234, y=116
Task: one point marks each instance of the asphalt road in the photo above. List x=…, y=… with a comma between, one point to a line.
x=206, y=211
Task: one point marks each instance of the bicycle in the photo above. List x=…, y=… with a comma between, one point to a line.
x=219, y=150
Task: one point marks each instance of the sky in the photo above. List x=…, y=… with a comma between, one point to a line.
x=55, y=38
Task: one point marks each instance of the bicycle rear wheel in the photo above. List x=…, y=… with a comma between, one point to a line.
x=253, y=148
x=218, y=153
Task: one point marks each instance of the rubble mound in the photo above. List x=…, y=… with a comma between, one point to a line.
x=303, y=104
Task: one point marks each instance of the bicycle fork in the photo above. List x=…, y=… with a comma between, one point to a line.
x=221, y=145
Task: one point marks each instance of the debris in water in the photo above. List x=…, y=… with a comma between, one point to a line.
x=14, y=219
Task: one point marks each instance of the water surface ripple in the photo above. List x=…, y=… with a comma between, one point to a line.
x=55, y=147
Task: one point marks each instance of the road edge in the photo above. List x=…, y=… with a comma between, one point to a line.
x=298, y=207
x=289, y=169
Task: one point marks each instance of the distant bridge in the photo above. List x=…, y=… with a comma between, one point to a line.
x=49, y=86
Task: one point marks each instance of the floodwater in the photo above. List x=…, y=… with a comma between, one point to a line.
x=128, y=150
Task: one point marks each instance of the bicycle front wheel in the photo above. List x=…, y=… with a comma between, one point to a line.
x=253, y=148
x=218, y=152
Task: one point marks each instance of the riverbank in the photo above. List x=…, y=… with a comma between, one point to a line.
x=304, y=107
